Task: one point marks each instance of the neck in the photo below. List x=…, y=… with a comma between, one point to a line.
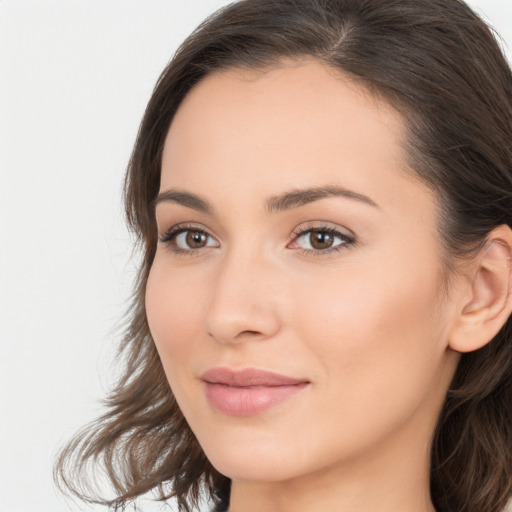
x=345, y=494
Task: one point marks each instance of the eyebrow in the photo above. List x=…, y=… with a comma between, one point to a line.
x=296, y=198
x=185, y=199
x=282, y=202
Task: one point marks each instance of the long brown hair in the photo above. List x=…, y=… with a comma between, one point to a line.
x=439, y=64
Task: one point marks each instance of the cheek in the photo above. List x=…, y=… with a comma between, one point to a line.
x=377, y=335
x=173, y=311
x=351, y=306
x=173, y=308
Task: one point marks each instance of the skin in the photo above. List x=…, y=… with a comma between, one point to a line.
x=368, y=326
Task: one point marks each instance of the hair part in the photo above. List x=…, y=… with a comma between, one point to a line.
x=439, y=65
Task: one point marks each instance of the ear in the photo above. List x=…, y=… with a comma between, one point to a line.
x=486, y=303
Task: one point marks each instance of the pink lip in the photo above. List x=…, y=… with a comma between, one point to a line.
x=249, y=391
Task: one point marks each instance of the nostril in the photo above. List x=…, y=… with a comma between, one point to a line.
x=238, y=337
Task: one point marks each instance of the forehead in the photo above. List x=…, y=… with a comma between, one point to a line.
x=296, y=125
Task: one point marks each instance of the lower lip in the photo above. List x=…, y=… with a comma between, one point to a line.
x=248, y=401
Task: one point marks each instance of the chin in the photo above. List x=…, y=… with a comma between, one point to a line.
x=255, y=461
x=253, y=470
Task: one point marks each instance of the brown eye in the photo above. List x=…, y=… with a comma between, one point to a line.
x=196, y=239
x=188, y=240
x=321, y=239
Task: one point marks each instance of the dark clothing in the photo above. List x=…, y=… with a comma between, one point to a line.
x=222, y=506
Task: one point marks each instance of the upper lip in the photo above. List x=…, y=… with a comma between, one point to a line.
x=248, y=377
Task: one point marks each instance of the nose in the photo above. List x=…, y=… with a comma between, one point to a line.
x=244, y=301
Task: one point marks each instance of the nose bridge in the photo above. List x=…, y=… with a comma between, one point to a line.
x=243, y=300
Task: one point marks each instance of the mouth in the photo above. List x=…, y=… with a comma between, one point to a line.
x=250, y=391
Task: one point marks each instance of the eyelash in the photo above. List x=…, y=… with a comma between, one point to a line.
x=169, y=237
x=347, y=240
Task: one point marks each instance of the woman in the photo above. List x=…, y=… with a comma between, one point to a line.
x=322, y=190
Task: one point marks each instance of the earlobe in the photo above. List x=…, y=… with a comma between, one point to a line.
x=489, y=305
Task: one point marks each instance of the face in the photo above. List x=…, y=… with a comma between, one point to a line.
x=296, y=298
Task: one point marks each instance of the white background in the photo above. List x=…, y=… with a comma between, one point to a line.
x=75, y=77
